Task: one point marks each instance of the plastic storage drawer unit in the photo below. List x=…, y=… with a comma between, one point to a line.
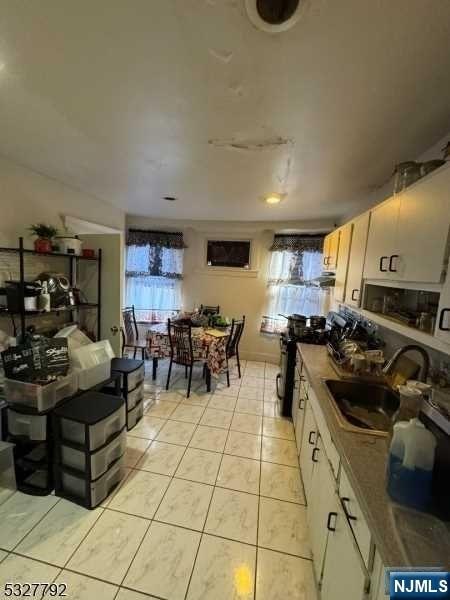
x=132, y=371
x=93, y=465
x=90, y=420
x=89, y=493
x=40, y=397
x=134, y=397
x=7, y=473
x=34, y=427
x=135, y=415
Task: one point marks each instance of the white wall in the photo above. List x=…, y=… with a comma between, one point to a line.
x=27, y=197
x=237, y=293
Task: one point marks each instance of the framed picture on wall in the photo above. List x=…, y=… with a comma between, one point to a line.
x=234, y=254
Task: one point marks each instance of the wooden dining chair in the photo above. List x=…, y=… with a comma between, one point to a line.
x=232, y=349
x=181, y=351
x=209, y=310
x=130, y=333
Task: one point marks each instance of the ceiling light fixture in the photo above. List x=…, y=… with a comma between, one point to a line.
x=274, y=16
x=273, y=199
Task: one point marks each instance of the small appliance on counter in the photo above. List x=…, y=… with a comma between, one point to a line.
x=32, y=290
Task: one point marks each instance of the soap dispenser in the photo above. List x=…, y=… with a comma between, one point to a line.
x=410, y=464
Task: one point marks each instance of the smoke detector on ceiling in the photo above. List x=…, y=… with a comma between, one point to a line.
x=274, y=16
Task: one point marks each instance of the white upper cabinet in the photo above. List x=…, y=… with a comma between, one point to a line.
x=345, y=239
x=423, y=225
x=331, y=250
x=408, y=233
x=381, y=243
x=356, y=260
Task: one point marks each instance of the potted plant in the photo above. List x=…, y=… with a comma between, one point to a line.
x=45, y=234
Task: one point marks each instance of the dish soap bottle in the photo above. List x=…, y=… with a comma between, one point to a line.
x=410, y=464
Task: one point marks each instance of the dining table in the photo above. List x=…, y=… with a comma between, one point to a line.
x=208, y=344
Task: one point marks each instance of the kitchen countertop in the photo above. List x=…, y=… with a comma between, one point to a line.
x=404, y=538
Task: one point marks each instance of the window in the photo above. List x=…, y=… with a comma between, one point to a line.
x=154, y=271
x=294, y=262
x=228, y=254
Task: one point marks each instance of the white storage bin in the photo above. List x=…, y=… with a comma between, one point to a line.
x=41, y=397
x=135, y=415
x=32, y=426
x=136, y=377
x=92, y=493
x=7, y=473
x=91, y=419
x=88, y=378
x=98, y=462
x=93, y=363
x=135, y=397
x=91, y=355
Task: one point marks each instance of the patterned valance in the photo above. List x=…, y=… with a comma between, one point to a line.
x=161, y=239
x=297, y=243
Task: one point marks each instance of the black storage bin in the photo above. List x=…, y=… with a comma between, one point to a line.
x=71, y=485
x=89, y=421
x=132, y=371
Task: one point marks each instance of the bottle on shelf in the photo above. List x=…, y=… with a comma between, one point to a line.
x=44, y=298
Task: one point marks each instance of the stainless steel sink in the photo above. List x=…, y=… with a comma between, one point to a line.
x=363, y=407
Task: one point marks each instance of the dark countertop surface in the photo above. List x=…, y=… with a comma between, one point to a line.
x=403, y=537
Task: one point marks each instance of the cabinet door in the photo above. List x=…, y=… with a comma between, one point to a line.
x=344, y=575
x=309, y=439
x=326, y=246
x=442, y=331
x=321, y=504
x=345, y=239
x=332, y=250
x=423, y=226
x=300, y=415
x=381, y=243
x=356, y=261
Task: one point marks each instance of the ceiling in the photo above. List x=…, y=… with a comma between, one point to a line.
x=133, y=100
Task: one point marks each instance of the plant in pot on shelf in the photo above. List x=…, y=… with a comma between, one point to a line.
x=45, y=234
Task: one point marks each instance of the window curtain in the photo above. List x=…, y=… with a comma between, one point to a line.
x=294, y=262
x=154, y=271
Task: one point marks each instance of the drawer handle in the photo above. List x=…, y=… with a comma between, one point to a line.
x=330, y=515
x=382, y=258
x=353, y=294
x=347, y=514
x=313, y=455
x=310, y=438
x=441, y=319
x=391, y=260
x=301, y=404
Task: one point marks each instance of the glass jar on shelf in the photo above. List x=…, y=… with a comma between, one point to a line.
x=405, y=174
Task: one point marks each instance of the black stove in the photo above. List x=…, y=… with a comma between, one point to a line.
x=306, y=330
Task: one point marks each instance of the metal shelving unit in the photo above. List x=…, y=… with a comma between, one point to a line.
x=74, y=261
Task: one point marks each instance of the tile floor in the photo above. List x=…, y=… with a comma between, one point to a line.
x=212, y=507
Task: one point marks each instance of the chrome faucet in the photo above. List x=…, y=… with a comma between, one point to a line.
x=390, y=365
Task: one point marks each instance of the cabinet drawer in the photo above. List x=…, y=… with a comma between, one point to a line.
x=356, y=518
x=330, y=448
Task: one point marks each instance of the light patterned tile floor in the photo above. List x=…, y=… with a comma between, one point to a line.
x=212, y=506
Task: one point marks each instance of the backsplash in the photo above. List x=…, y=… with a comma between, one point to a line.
x=440, y=362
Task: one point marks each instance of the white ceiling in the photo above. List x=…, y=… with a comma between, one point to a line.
x=132, y=100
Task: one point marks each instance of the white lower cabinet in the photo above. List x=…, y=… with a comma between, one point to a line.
x=322, y=494
x=309, y=440
x=344, y=575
